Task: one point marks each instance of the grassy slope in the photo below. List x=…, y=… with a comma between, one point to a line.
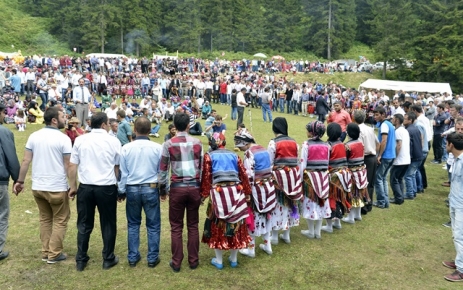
x=398, y=248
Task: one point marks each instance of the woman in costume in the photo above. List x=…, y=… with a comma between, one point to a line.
x=315, y=156
x=340, y=179
x=355, y=162
x=283, y=152
x=224, y=179
x=259, y=171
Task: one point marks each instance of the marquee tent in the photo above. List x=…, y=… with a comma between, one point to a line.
x=420, y=87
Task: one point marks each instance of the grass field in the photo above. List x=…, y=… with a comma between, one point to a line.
x=398, y=248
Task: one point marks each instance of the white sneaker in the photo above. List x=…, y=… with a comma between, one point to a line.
x=349, y=221
x=307, y=234
x=265, y=249
x=327, y=229
x=156, y=135
x=248, y=252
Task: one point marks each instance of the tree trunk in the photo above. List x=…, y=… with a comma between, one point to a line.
x=122, y=38
x=328, y=53
x=384, y=70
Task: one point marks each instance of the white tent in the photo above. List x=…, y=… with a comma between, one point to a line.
x=407, y=86
x=110, y=55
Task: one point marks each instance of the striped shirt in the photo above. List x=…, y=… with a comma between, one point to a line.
x=183, y=154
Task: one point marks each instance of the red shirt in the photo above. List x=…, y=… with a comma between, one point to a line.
x=73, y=135
x=223, y=88
x=342, y=118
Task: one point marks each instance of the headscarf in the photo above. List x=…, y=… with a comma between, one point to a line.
x=334, y=131
x=32, y=105
x=217, y=140
x=317, y=129
x=353, y=131
x=280, y=126
x=243, y=138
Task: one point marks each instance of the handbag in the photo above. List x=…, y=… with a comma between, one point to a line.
x=207, y=228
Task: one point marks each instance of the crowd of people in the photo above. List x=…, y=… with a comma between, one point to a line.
x=261, y=195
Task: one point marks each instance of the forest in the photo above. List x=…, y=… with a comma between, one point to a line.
x=429, y=32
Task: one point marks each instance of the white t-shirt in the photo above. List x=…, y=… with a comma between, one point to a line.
x=48, y=146
x=403, y=158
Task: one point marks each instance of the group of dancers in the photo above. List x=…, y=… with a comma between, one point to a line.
x=271, y=189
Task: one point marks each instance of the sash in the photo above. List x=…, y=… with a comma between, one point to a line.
x=264, y=196
x=345, y=177
x=289, y=181
x=320, y=182
x=229, y=203
x=360, y=178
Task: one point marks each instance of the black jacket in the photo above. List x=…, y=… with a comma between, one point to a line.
x=9, y=163
x=321, y=106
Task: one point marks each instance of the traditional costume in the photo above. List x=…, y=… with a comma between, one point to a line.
x=259, y=171
x=283, y=152
x=340, y=179
x=315, y=155
x=224, y=179
x=355, y=162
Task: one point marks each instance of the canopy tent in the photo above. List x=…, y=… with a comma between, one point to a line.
x=407, y=86
x=110, y=55
x=260, y=54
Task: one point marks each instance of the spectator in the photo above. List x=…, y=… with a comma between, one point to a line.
x=195, y=127
x=322, y=108
x=49, y=151
x=402, y=160
x=20, y=120
x=439, y=128
x=114, y=125
x=81, y=97
x=124, y=131
x=218, y=126
x=73, y=130
x=35, y=114
x=241, y=104
x=340, y=116
x=206, y=110
x=416, y=154
x=266, y=98
x=172, y=132
x=111, y=112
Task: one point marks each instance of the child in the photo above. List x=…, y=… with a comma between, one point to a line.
x=20, y=120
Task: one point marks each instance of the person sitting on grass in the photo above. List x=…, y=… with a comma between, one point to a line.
x=172, y=132
x=36, y=115
x=206, y=110
x=20, y=120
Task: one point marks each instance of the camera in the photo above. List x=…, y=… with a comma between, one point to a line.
x=70, y=126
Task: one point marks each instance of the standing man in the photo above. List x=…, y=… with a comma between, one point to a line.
x=439, y=128
x=9, y=166
x=426, y=130
x=322, y=108
x=15, y=81
x=49, y=151
x=96, y=156
x=341, y=117
x=182, y=154
x=81, y=97
x=385, y=157
x=416, y=154
x=124, y=131
x=266, y=97
x=241, y=103
x=402, y=161
x=455, y=145
x=139, y=179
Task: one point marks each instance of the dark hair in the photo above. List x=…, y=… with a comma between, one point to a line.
x=399, y=117
x=333, y=131
x=181, y=121
x=442, y=106
x=353, y=130
x=49, y=114
x=121, y=113
x=171, y=126
x=142, y=125
x=456, y=139
x=456, y=106
x=407, y=105
x=380, y=110
x=417, y=108
x=411, y=116
x=98, y=119
x=450, y=102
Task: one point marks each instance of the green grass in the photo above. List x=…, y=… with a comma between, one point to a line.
x=398, y=248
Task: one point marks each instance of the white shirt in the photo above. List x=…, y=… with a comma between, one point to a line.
x=48, y=146
x=399, y=110
x=423, y=121
x=96, y=154
x=112, y=114
x=77, y=96
x=368, y=138
x=30, y=76
x=240, y=99
x=403, y=158
x=101, y=79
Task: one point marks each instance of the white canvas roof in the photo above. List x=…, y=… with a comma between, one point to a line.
x=407, y=86
x=111, y=55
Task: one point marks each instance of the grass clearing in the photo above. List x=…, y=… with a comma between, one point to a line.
x=398, y=248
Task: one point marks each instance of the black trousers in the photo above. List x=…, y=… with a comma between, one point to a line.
x=105, y=199
x=437, y=147
x=240, y=116
x=371, y=164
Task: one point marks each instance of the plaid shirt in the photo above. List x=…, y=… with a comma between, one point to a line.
x=184, y=154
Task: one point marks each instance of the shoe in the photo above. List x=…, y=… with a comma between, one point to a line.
x=193, y=267
x=202, y=134
x=346, y=220
x=447, y=224
x=247, y=252
x=80, y=266
x=61, y=257
x=456, y=276
x=176, y=270
x=215, y=264
x=233, y=264
x=375, y=204
x=156, y=135
x=274, y=241
x=449, y=264
x=446, y=184
x=155, y=263
x=109, y=264
x=151, y=135
x=327, y=229
x=358, y=218
x=436, y=162
x=396, y=201
x=264, y=248
x=288, y=241
x=44, y=258
x=307, y=234
x=134, y=263
x=444, y=166
x=4, y=255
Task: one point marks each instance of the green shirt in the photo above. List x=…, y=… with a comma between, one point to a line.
x=123, y=131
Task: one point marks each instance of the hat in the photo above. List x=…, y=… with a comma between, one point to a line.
x=53, y=85
x=243, y=138
x=74, y=120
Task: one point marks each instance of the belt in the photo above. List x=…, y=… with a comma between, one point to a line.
x=82, y=104
x=152, y=185
x=185, y=184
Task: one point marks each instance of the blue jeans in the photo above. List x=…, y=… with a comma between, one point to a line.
x=146, y=198
x=381, y=186
x=155, y=129
x=289, y=108
x=410, y=179
x=234, y=113
x=281, y=102
x=456, y=216
x=44, y=97
x=294, y=104
x=4, y=214
x=397, y=181
x=418, y=176
x=445, y=155
x=266, y=111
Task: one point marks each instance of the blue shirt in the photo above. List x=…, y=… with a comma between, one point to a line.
x=456, y=184
x=139, y=163
x=123, y=131
x=15, y=83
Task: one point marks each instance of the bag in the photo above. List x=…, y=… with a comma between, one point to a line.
x=31, y=118
x=207, y=228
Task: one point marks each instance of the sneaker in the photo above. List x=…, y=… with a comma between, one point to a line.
x=215, y=264
x=44, y=258
x=456, y=276
x=247, y=252
x=233, y=264
x=156, y=135
x=4, y=255
x=349, y=221
x=171, y=265
x=288, y=241
x=60, y=258
x=444, y=166
x=327, y=229
x=307, y=234
x=449, y=264
x=436, y=162
x=264, y=248
x=447, y=224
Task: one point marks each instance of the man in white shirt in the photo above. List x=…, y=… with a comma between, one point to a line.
x=30, y=80
x=111, y=112
x=402, y=160
x=96, y=157
x=241, y=104
x=396, y=109
x=49, y=151
x=81, y=97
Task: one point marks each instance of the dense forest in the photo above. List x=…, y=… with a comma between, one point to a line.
x=426, y=31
